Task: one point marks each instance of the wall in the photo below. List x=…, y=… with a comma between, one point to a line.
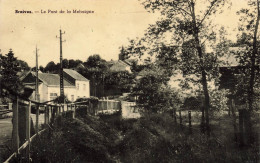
x=68, y=91
x=81, y=92
x=43, y=91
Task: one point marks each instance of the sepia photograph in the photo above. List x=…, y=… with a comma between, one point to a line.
x=129, y=81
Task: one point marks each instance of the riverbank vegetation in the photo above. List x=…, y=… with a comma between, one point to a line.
x=151, y=138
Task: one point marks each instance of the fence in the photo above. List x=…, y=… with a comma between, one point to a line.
x=130, y=110
x=231, y=125
x=108, y=106
x=5, y=109
x=23, y=131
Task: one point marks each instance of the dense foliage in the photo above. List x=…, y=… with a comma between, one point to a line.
x=153, y=138
x=9, y=78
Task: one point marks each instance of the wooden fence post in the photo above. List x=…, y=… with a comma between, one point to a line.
x=15, y=136
x=73, y=111
x=37, y=118
x=57, y=110
x=28, y=130
x=10, y=106
x=229, y=110
x=234, y=118
x=45, y=115
x=48, y=114
x=175, y=116
x=107, y=103
x=241, y=127
x=189, y=115
x=52, y=114
x=180, y=117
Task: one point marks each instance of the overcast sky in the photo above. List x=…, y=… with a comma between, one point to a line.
x=102, y=32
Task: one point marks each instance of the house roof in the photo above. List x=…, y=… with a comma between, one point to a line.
x=52, y=79
x=118, y=65
x=74, y=74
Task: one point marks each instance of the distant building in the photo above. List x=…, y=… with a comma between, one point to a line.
x=78, y=67
x=75, y=85
x=120, y=66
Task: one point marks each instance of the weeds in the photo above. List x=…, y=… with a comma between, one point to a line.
x=153, y=138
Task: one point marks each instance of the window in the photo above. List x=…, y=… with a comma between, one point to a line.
x=53, y=96
x=84, y=87
x=72, y=98
x=78, y=86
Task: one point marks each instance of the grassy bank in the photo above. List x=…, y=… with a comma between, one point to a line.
x=150, y=139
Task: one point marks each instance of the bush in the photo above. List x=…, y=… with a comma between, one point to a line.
x=152, y=138
x=75, y=141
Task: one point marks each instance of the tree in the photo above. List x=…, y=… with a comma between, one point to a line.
x=95, y=61
x=65, y=63
x=186, y=22
x=23, y=65
x=73, y=63
x=122, y=80
x=95, y=69
x=9, y=78
x=51, y=67
x=153, y=92
x=249, y=56
x=123, y=54
x=41, y=68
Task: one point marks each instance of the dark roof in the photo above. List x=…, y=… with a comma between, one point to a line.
x=52, y=79
x=74, y=74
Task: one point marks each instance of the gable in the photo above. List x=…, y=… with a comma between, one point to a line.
x=75, y=75
x=120, y=66
x=46, y=78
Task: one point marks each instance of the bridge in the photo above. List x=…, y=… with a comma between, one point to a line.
x=44, y=116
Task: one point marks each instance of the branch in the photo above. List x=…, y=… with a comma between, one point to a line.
x=208, y=11
x=181, y=9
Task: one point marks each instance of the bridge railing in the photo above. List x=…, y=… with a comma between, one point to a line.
x=43, y=115
x=23, y=130
x=29, y=119
x=5, y=109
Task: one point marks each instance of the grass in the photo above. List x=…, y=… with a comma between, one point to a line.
x=153, y=138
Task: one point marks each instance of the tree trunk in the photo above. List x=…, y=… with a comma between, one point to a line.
x=252, y=58
x=203, y=72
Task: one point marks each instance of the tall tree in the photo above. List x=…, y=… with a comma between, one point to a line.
x=185, y=21
x=248, y=54
x=253, y=59
x=9, y=69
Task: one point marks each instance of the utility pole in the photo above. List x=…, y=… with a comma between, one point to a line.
x=61, y=68
x=37, y=78
x=37, y=92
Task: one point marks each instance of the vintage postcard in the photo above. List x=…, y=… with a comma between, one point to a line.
x=129, y=81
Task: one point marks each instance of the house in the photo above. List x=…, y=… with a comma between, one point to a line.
x=120, y=65
x=80, y=82
x=75, y=85
x=78, y=67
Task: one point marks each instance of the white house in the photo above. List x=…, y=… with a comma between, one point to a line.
x=75, y=85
